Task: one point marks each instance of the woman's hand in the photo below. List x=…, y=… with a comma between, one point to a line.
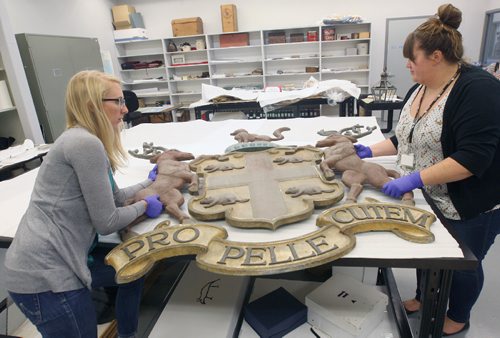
x=363, y=151
x=397, y=187
x=153, y=173
x=154, y=206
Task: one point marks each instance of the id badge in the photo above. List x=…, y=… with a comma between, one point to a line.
x=407, y=161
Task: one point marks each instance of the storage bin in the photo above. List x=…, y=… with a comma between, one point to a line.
x=328, y=34
x=296, y=37
x=362, y=48
x=187, y=26
x=233, y=40
x=276, y=37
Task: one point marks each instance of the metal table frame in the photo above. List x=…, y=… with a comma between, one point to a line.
x=435, y=286
x=389, y=106
x=254, y=106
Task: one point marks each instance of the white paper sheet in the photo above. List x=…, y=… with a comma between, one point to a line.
x=21, y=153
x=338, y=89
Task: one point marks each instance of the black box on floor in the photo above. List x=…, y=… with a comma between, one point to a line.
x=275, y=314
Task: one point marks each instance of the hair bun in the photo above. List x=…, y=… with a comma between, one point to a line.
x=450, y=15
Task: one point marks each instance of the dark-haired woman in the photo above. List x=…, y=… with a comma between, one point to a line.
x=447, y=142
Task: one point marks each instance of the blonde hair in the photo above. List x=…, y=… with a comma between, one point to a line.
x=84, y=107
x=438, y=33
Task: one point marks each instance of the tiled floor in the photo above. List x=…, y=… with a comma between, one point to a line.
x=485, y=316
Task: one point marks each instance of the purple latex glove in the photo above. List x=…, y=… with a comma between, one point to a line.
x=363, y=151
x=399, y=186
x=154, y=207
x=153, y=173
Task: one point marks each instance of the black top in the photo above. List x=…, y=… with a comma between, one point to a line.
x=471, y=136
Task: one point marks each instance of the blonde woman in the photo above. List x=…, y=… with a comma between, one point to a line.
x=50, y=266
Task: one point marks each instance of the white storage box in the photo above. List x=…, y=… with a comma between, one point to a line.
x=344, y=307
x=351, y=51
x=131, y=34
x=203, y=305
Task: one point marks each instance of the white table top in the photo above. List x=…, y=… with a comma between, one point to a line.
x=203, y=138
x=22, y=153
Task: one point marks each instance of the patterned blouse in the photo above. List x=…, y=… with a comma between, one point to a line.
x=426, y=149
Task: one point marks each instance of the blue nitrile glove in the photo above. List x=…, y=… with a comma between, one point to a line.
x=399, y=186
x=363, y=151
x=153, y=173
x=154, y=207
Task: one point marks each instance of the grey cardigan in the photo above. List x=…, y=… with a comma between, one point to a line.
x=72, y=199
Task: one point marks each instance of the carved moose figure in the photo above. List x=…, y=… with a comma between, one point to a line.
x=172, y=176
x=341, y=155
x=242, y=136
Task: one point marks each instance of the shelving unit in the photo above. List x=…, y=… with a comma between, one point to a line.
x=150, y=84
x=10, y=124
x=261, y=63
x=238, y=66
x=335, y=63
x=187, y=68
x=3, y=76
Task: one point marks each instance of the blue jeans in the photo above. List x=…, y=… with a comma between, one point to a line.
x=478, y=234
x=72, y=313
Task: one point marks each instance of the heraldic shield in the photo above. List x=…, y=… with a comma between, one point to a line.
x=262, y=189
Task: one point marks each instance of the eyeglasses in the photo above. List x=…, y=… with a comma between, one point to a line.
x=120, y=101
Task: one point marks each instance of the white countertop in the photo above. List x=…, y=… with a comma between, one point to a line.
x=203, y=138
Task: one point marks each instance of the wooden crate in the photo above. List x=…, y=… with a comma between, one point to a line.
x=229, y=18
x=187, y=26
x=276, y=37
x=234, y=40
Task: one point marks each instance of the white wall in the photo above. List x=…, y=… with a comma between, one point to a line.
x=92, y=18
x=493, y=4
x=266, y=14
x=84, y=18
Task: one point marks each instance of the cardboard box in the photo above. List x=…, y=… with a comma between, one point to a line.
x=121, y=16
x=312, y=36
x=312, y=69
x=130, y=34
x=329, y=34
x=364, y=35
x=276, y=37
x=342, y=304
x=234, y=40
x=229, y=18
x=296, y=37
x=351, y=51
x=275, y=314
x=187, y=26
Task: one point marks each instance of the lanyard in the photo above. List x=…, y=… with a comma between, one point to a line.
x=111, y=180
x=418, y=117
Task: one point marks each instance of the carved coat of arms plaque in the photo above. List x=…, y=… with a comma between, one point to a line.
x=263, y=189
